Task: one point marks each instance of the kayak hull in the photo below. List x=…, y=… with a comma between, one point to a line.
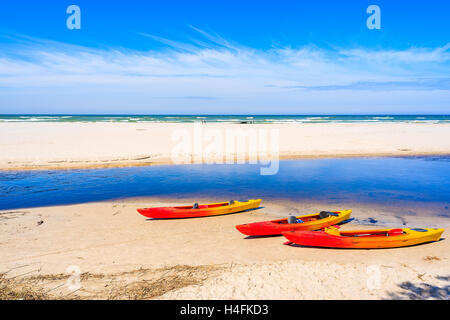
x=204, y=210
x=276, y=227
x=364, y=239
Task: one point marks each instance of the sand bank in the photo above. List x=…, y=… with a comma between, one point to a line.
x=120, y=254
x=90, y=145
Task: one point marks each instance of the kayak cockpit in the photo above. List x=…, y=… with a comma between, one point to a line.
x=202, y=206
x=372, y=234
x=206, y=206
x=303, y=219
x=310, y=218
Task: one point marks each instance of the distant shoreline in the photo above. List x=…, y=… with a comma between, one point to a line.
x=238, y=119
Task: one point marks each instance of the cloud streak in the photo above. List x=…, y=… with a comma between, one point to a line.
x=417, y=84
x=228, y=74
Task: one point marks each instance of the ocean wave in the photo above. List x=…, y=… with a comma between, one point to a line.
x=227, y=119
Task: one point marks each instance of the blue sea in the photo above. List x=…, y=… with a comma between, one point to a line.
x=228, y=118
x=421, y=181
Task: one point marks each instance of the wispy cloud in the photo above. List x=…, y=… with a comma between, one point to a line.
x=417, y=84
x=210, y=69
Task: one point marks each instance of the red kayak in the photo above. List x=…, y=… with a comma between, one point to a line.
x=313, y=221
x=202, y=210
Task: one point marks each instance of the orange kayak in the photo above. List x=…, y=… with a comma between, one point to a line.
x=308, y=222
x=368, y=239
x=202, y=210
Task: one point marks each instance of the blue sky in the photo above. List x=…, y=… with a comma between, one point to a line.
x=211, y=57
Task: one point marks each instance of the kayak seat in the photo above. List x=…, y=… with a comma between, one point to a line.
x=325, y=214
x=231, y=202
x=292, y=219
x=195, y=206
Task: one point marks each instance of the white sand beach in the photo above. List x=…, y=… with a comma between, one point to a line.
x=121, y=254
x=83, y=145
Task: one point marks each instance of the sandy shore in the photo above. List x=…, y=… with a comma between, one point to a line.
x=120, y=254
x=85, y=145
